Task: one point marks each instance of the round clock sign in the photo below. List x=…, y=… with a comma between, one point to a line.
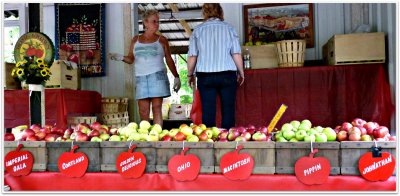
x=34, y=44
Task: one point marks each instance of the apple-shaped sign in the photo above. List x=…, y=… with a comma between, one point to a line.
x=18, y=163
x=235, y=166
x=376, y=168
x=312, y=170
x=73, y=164
x=131, y=164
x=184, y=167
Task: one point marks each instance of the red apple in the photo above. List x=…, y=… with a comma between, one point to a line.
x=362, y=129
x=223, y=135
x=36, y=128
x=68, y=132
x=93, y=133
x=203, y=136
x=346, y=126
x=26, y=133
x=46, y=131
x=179, y=136
x=358, y=122
x=263, y=129
x=57, y=130
x=380, y=132
x=354, y=130
x=32, y=138
x=81, y=137
x=380, y=139
x=246, y=135
x=103, y=130
x=223, y=140
x=166, y=138
x=40, y=135
x=392, y=138
x=250, y=126
x=369, y=127
x=9, y=137
x=241, y=129
x=51, y=137
x=232, y=134
x=341, y=136
x=337, y=129
x=354, y=137
x=95, y=125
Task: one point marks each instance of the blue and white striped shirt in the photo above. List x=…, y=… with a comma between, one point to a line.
x=214, y=42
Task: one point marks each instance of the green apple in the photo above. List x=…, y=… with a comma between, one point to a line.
x=300, y=135
x=366, y=138
x=210, y=140
x=128, y=131
x=330, y=133
x=145, y=131
x=173, y=132
x=288, y=134
x=278, y=135
x=157, y=127
x=144, y=124
x=104, y=136
x=96, y=139
x=192, y=138
x=304, y=126
x=293, y=140
x=209, y=133
x=134, y=137
x=203, y=126
x=306, y=121
x=318, y=128
x=187, y=131
x=311, y=132
x=309, y=138
x=153, y=137
x=215, y=132
x=115, y=138
x=124, y=138
x=287, y=127
x=295, y=124
x=281, y=139
x=320, y=137
x=143, y=137
x=197, y=130
x=132, y=125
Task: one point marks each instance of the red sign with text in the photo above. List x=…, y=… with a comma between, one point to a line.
x=312, y=170
x=73, y=164
x=376, y=168
x=235, y=166
x=184, y=167
x=18, y=163
x=131, y=164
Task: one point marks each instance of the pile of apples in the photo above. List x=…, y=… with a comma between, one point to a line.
x=244, y=134
x=361, y=130
x=147, y=132
x=296, y=131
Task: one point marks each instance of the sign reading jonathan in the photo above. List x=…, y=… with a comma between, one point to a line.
x=236, y=166
x=184, y=167
x=73, y=164
x=131, y=164
x=19, y=163
x=376, y=167
x=310, y=170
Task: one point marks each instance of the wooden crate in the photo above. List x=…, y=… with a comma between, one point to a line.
x=91, y=149
x=350, y=153
x=263, y=154
x=357, y=48
x=63, y=75
x=115, y=120
x=72, y=121
x=291, y=53
x=203, y=150
x=9, y=81
x=287, y=153
x=263, y=56
x=114, y=104
x=110, y=151
x=37, y=148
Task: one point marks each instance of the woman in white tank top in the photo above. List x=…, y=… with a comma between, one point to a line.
x=147, y=52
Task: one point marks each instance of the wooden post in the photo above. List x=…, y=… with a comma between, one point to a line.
x=36, y=104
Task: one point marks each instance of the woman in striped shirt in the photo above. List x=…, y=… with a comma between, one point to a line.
x=214, y=57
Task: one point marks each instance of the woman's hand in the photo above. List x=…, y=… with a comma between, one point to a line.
x=240, y=78
x=177, y=84
x=191, y=81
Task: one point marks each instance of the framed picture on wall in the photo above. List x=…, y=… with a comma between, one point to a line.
x=80, y=36
x=274, y=22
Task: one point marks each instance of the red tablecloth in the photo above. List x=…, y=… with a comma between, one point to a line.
x=326, y=95
x=59, y=103
x=54, y=181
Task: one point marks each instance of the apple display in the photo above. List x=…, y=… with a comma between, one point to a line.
x=9, y=137
x=197, y=130
x=380, y=132
x=113, y=131
x=354, y=130
x=300, y=134
x=369, y=127
x=144, y=124
x=233, y=134
x=293, y=140
x=95, y=125
x=358, y=122
x=26, y=133
x=341, y=136
x=241, y=129
x=363, y=130
x=166, y=138
x=203, y=136
x=203, y=126
x=132, y=125
x=96, y=139
x=51, y=137
x=263, y=129
x=295, y=123
x=182, y=126
x=114, y=138
x=287, y=127
x=346, y=126
x=40, y=135
x=288, y=134
x=153, y=137
x=141, y=130
x=94, y=133
x=215, y=132
x=281, y=139
x=187, y=131
x=240, y=139
x=354, y=137
x=180, y=136
x=104, y=136
x=173, y=132
x=330, y=133
x=320, y=137
x=246, y=135
x=223, y=135
x=157, y=127
x=367, y=138
x=81, y=137
x=32, y=138
x=36, y=128
x=258, y=136
x=192, y=138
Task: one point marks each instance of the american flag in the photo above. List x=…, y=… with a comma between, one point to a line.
x=82, y=40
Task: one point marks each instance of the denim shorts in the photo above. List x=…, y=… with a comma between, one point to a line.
x=152, y=85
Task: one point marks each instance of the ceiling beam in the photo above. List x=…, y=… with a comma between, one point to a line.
x=173, y=21
x=184, y=24
x=169, y=31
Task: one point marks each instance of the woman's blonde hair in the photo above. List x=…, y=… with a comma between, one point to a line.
x=212, y=10
x=147, y=15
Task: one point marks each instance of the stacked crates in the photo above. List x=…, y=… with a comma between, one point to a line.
x=114, y=111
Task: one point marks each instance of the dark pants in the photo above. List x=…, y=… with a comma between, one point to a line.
x=223, y=84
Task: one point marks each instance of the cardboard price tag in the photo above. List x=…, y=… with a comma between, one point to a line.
x=73, y=164
x=184, y=167
x=276, y=118
x=235, y=166
x=18, y=163
x=312, y=170
x=376, y=166
x=131, y=164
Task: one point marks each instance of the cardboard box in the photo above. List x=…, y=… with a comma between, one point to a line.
x=263, y=56
x=64, y=75
x=9, y=81
x=357, y=48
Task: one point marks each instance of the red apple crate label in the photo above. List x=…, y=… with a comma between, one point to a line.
x=236, y=166
x=276, y=118
x=184, y=167
x=131, y=164
x=312, y=170
x=19, y=162
x=73, y=164
x=376, y=165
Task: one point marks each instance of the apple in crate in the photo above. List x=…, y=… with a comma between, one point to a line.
x=115, y=138
x=369, y=127
x=358, y=122
x=104, y=136
x=36, y=128
x=346, y=126
x=380, y=132
x=300, y=134
x=95, y=125
x=259, y=136
x=186, y=130
x=144, y=124
x=192, y=138
x=330, y=133
x=354, y=137
x=341, y=136
x=26, y=133
x=9, y=137
x=180, y=136
x=321, y=137
x=197, y=130
x=203, y=136
x=166, y=138
x=233, y=134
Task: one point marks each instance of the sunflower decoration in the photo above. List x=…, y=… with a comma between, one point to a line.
x=32, y=70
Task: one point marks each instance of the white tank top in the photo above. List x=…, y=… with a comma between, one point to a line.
x=149, y=58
